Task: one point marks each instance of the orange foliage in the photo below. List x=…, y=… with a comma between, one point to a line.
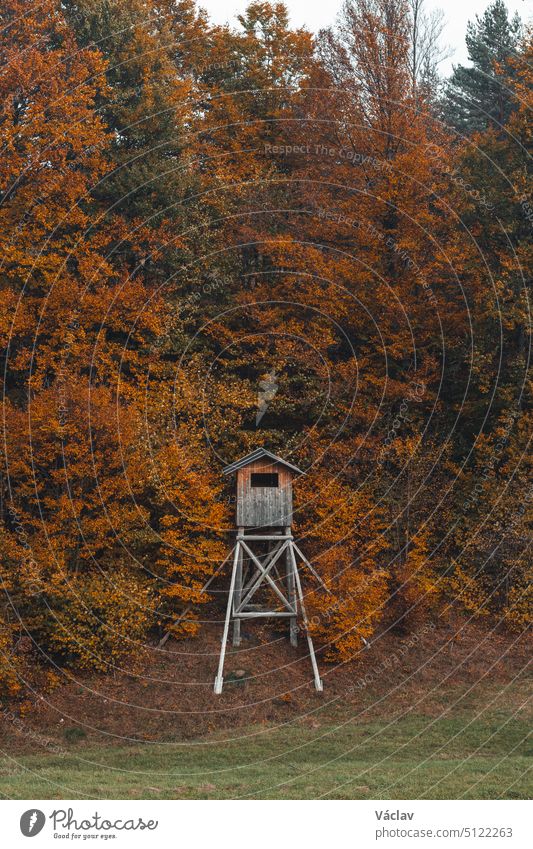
x=186, y=208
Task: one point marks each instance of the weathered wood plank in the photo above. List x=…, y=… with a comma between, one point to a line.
x=262, y=507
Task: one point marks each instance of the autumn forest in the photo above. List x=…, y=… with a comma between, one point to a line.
x=214, y=238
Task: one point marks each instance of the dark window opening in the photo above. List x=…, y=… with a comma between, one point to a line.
x=264, y=479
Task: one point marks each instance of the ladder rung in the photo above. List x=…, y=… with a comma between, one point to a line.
x=256, y=614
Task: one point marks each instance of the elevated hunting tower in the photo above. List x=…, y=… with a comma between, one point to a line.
x=264, y=542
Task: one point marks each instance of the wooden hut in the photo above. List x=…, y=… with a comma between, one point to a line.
x=263, y=490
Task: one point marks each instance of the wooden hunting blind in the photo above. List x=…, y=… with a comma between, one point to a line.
x=264, y=541
x=263, y=490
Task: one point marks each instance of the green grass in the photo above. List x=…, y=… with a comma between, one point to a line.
x=416, y=757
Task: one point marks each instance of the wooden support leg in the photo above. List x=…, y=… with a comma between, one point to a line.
x=237, y=597
x=318, y=681
x=291, y=596
x=219, y=680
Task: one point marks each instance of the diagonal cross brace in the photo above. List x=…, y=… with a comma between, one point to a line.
x=266, y=563
x=264, y=575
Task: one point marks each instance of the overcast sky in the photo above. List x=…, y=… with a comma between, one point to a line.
x=315, y=14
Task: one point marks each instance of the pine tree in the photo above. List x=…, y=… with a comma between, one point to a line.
x=478, y=95
x=494, y=490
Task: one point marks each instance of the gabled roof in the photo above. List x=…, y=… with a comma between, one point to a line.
x=258, y=454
